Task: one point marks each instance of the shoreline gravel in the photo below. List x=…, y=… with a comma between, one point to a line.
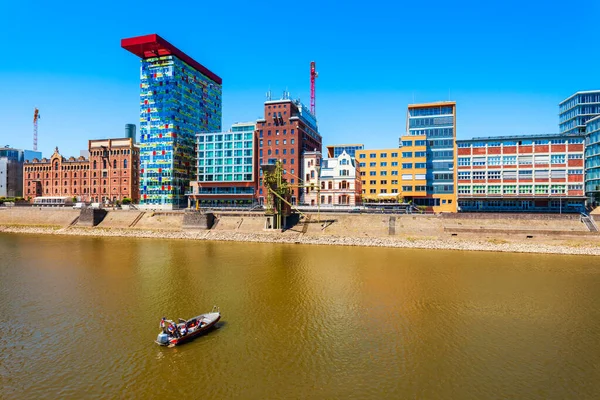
x=299, y=238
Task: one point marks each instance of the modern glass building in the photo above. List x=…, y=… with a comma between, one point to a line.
x=592, y=161
x=11, y=170
x=226, y=171
x=178, y=99
x=337, y=150
x=577, y=109
x=432, y=127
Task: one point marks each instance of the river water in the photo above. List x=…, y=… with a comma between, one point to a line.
x=78, y=317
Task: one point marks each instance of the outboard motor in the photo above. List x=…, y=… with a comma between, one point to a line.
x=163, y=338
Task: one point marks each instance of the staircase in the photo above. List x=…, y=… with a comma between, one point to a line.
x=589, y=222
x=137, y=219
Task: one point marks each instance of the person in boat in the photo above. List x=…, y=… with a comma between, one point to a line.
x=163, y=325
x=172, y=330
x=183, y=330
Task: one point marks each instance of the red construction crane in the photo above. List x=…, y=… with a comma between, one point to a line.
x=313, y=75
x=36, y=116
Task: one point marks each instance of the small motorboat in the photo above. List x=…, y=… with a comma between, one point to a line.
x=174, y=334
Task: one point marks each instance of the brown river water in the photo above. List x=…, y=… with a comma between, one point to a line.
x=79, y=316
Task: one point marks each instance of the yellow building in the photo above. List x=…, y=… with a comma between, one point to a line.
x=423, y=169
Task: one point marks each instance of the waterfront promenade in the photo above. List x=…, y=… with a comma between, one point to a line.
x=542, y=233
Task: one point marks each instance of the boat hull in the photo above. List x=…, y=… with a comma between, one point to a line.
x=209, y=321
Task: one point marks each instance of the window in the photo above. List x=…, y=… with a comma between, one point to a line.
x=509, y=160
x=383, y=173
x=384, y=182
x=509, y=189
x=419, y=154
x=383, y=190
x=525, y=189
x=494, y=189
x=394, y=182
x=372, y=155
x=383, y=164
x=383, y=155
x=464, y=161
x=478, y=161
x=125, y=163
x=420, y=142
x=407, y=165
x=395, y=173
x=407, y=188
x=557, y=159
x=495, y=160
x=372, y=182
x=407, y=177
x=362, y=164
x=372, y=173
x=464, y=175
x=114, y=164
x=373, y=164
x=575, y=156
x=394, y=155
x=407, y=154
x=407, y=143
x=420, y=165
x=494, y=175
x=478, y=174
x=362, y=155
x=394, y=163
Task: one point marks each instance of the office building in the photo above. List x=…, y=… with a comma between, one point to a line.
x=331, y=181
x=592, y=161
x=380, y=172
x=109, y=175
x=335, y=151
x=521, y=173
x=11, y=170
x=286, y=132
x=178, y=99
x=576, y=110
x=226, y=171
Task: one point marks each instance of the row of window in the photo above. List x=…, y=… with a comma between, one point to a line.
x=374, y=155
x=538, y=142
x=517, y=189
x=284, y=141
x=522, y=174
x=518, y=160
x=284, y=132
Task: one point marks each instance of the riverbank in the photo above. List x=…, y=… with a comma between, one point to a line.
x=565, y=246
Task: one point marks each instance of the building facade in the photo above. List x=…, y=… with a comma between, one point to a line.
x=521, y=173
x=592, y=161
x=576, y=110
x=431, y=131
x=381, y=172
x=11, y=170
x=350, y=149
x=178, y=99
x=287, y=130
x=331, y=181
x=110, y=175
x=226, y=170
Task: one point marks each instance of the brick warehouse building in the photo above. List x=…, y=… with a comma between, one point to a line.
x=287, y=130
x=521, y=173
x=110, y=174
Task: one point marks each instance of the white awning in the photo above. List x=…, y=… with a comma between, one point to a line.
x=388, y=195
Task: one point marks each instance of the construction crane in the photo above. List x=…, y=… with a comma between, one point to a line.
x=313, y=75
x=36, y=117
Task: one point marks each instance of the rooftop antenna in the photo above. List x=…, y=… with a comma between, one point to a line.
x=268, y=94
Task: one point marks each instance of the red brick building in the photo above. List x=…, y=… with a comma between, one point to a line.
x=110, y=174
x=287, y=130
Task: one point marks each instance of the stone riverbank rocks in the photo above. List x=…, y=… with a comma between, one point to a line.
x=299, y=238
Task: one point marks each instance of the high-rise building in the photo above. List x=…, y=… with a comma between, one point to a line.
x=11, y=170
x=521, y=173
x=179, y=98
x=592, y=161
x=577, y=109
x=226, y=171
x=430, y=136
x=287, y=130
x=336, y=150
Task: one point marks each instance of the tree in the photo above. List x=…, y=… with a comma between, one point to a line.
x=126, y=201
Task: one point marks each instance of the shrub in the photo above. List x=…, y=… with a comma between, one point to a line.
x=126, y=201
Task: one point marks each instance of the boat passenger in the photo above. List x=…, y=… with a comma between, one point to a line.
x=183, y=330
x=163, y=325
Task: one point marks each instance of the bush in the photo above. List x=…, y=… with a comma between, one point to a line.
x=126, y=201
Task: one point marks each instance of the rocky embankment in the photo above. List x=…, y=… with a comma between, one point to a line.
x=577, y=248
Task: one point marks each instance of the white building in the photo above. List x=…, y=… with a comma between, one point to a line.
x=331, y=181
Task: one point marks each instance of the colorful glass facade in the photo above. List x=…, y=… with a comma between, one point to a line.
x=177, y=101
x=592, y=161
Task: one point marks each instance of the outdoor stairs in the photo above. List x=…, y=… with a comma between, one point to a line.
x=589, y=222
x=137, y=219
x=73, y=222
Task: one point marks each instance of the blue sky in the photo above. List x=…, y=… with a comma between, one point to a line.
x=507, y=64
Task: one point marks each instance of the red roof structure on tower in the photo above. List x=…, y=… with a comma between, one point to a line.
x=154, y=46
